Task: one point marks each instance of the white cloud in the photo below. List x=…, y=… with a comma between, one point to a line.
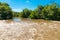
x=27, y=1
x=17, y=10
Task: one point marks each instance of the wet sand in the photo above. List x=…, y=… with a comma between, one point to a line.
x=30, y=30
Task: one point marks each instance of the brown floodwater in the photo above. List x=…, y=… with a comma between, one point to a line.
x=29, y=29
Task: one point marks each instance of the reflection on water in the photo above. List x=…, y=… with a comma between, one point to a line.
x=29, y=20
x=16, y=19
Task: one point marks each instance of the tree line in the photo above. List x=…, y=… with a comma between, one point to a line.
x=49, y=12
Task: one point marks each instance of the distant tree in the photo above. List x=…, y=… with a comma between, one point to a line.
x=38, y=11
x=50, y=12
x=36, y=14
x=32, y=15
x=16, y=14
x=25, y=13
x=5, y=11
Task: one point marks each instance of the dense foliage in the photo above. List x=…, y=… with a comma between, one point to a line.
x=25, y=13
x=5, y=11
x=50, y=12
x=16, y=14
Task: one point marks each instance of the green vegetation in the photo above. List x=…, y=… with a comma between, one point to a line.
x=49, y=12
x=5, y=11
x=16, y=14
x=25, y=13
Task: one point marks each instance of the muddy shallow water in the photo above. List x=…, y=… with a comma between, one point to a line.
x=27, y=29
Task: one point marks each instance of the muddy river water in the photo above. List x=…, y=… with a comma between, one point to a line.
x=29, y=29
